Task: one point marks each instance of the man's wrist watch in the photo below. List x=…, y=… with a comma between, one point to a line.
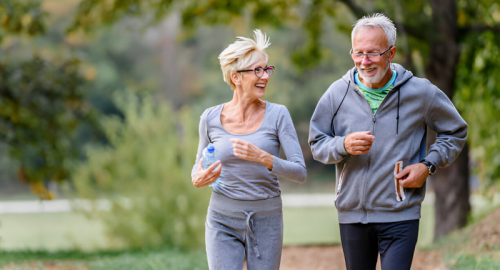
x=432, y=167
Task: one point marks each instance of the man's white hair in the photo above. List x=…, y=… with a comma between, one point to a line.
x=377, y=20
x=243, y=53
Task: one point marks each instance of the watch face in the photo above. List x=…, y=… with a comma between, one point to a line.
x=432, y=168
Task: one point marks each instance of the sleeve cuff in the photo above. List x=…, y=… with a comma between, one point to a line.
x=277, y=166
x=339, y=146
x=434, y=158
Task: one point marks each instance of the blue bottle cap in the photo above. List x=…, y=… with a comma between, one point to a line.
x=210, y=148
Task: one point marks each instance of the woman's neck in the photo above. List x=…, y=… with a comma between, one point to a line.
x=241, y=109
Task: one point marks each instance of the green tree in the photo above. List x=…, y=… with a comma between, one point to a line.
x=60, y=82
x=41, y=99
x=435, y=31
x=478, y=98
x=144, y=172
x=41, y=105
x=21, y=17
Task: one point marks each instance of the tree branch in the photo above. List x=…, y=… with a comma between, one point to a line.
x=479, y=29
x=360, y=12
x=417, y=33
x=357, y=10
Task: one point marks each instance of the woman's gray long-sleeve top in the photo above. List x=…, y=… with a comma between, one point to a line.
x=246, y=180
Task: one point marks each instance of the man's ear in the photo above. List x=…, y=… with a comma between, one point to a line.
x=236, y=78
x=392, y=53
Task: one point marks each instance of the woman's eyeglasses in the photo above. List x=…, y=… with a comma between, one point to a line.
x=259, y=72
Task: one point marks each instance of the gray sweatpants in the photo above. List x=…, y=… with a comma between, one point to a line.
x=236, y=230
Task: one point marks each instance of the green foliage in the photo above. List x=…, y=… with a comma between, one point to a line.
x=194, y=13
x=116, y=58
x=478, y=99
x=145, y=174
x=21, y=17
x=92, y=13
x=41, y=104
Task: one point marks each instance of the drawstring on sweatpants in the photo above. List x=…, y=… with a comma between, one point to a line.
x=249, y=223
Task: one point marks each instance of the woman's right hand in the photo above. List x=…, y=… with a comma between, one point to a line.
x=206, y=177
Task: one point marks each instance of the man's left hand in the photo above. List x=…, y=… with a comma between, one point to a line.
x=413, y=176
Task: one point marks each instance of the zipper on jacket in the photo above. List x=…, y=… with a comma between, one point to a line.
x=374, y=119
x=382, y=103
x=367, y=179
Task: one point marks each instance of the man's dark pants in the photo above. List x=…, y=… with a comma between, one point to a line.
x=395, y=241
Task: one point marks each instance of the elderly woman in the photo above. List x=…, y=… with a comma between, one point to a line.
x=244, y=218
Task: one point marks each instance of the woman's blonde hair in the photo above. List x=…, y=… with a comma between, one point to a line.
x=242, y=54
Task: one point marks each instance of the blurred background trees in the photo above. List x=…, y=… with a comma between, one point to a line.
x=92, y=51
x=144, y=172
x=42, y=103
x=41, y=106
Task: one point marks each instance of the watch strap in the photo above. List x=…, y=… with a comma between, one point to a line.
x=429, y=166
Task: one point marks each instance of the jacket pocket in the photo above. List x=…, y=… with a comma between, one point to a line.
x=399, y=190
x=341, y=179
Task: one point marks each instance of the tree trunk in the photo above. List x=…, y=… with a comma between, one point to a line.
x=451, y=184
x=169, y=60
x=451, y=187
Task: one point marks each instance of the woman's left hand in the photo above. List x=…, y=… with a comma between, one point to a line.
x=250, y=152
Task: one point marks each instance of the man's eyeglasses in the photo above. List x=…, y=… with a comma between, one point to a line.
x=371, y=56
x=259, y=72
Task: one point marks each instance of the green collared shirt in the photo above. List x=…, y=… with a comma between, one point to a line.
x=375, y=96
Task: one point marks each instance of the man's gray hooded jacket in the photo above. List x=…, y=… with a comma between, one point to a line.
x=365, y=186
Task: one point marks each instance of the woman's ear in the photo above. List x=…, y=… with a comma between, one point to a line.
x=236, y=78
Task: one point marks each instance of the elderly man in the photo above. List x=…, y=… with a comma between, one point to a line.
x=372, y=124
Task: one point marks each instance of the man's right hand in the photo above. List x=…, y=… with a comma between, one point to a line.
x=358, y=143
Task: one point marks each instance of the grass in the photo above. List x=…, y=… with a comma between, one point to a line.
x=153, y=259
x=319, y=226
x=51, y=232
x=469, y=248
x=159, y=259
x=468, y=262
x=72, y=231
x=313, y=225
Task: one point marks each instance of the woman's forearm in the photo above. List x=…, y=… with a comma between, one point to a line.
x=267, y=160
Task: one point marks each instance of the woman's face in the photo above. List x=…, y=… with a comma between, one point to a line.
x=251, y=85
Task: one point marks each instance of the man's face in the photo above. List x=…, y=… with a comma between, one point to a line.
x=372, y=70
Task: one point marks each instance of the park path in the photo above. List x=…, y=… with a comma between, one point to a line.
x=332, y=258
x=57, y=206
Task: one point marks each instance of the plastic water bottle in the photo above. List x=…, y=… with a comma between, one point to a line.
x=210, y=157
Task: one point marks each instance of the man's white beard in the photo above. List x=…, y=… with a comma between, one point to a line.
x=373, y=79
